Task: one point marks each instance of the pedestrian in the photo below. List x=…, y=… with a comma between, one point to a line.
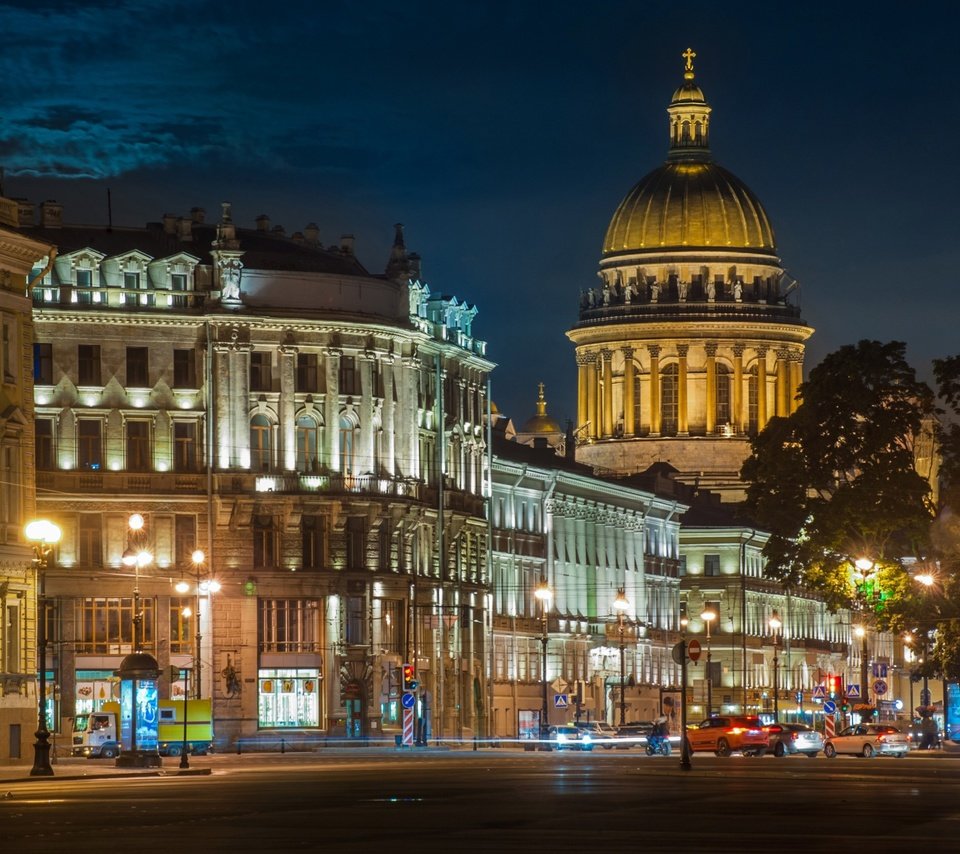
x=929, y=733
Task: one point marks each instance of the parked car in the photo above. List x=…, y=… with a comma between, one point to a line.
x=784, y=739
x=601, y=733
x=868, y=740
x=568, y=738
x=728, y=734
x=633, y=735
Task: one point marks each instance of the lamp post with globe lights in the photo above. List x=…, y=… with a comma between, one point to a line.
x=44, y=535
x=708, y=616
x=544, y=594
x=776, y=625
x=621, y=605
x=863, y=572
x=137, y=556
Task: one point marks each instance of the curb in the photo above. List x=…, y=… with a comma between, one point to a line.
x=107, y=775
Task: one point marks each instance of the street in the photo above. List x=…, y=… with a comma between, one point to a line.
x=449, y=800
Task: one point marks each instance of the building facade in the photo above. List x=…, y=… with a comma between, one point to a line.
x=315, y=429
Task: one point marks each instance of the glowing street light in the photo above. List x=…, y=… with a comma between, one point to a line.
x=708, y=616
x=621, y=604
x=545, y=595
x=776, y=625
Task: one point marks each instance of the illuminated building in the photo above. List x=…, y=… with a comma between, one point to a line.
x=690, y=343
x=265, y=398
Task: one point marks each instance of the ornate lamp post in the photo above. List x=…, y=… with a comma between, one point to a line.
x=621, y=605
x=775, y=627
x=708, y=616
x=864, y=568
x=44, y=536
x=544, y=594
x=137, y=555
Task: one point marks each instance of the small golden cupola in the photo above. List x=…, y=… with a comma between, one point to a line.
x=689, y=118
x=541, y=422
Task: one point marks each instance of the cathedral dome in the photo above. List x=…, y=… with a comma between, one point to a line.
x=689, y=202
x=541, y=422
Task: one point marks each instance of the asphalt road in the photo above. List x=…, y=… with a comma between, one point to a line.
x=490, y=800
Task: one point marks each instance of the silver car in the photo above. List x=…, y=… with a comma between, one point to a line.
x=793, y=738
x=601, y=733
x=868, y=740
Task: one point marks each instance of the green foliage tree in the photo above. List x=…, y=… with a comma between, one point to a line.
x=836, y=480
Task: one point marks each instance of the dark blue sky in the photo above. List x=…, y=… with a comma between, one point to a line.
x=504, y=135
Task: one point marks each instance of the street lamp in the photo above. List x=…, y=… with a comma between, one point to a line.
x=775, y=626
x=864, y=568
x=544, y=594
x=621, y=604
x=44, y=536
x=137, y=555
x=708, y=616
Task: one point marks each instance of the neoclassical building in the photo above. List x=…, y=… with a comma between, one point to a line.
x=316, y=429
x=690, y=343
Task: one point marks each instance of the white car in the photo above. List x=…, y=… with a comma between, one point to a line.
x=868, y=740
x=600, y=732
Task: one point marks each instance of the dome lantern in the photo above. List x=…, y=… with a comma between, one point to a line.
x=689, y=118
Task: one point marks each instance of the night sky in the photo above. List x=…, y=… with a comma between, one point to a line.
x=503, y=135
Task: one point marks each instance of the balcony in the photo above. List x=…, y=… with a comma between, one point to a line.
x=331, y=484
x=120, y=483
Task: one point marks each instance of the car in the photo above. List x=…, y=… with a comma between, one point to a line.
x=784, y=739
x=726, y=734
x=631, y=735
x=601, y=733
x=568, y=738
x=868, y=740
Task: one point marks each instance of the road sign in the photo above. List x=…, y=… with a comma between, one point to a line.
x=559, y=686
x=853, y=692
x=819, y=692
x=880, y=687
x=829, y=707
x=677, y=653
x=693, y=650
x=560, y=701
x=408, y=700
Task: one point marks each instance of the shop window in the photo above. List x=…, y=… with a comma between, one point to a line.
x=105, y=626
x=288, y=697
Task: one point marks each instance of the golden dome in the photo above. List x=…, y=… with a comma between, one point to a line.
x=541, y=422
x=686, y=205
x=689, y=202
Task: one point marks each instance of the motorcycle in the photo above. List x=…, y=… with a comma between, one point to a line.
x=658, y=744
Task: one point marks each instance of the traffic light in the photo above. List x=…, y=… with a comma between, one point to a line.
x=845, y=708
x=834, y=686
x=409, y=678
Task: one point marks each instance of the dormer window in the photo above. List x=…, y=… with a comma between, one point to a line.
x=178, y=284
x=84, y=294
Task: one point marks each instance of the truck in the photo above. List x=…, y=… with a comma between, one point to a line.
x=96, y=735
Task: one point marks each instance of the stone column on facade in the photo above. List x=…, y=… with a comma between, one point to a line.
x=365, y=461
x=796, y=378
x=783, y=383
x=593, y=431
x=711, y=349
x=409, y=450
x=240, y=409
x=221, y=407
x=583, y=367
x=739, y=418
x=67, y=436
x=629, y=381
x=654, y=350
x=288, y=407
x=67, y=675
x=761, y=388
x=607, y=362
x=388, y=454
x=331, y=408
x=683, y=428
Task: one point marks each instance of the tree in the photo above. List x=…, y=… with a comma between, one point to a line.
x=836, y=480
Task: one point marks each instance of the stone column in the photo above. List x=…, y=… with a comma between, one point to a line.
x=761, y=388
x=240, y=399
x=388, y=452
x=288, y=407
x=220, y=417
x=796, y=378
x=593, y=431
x=783, y=383
x=365, y=457
x=583, y=383
x=629, y=380
x=654, y=350
x=682, y=417
x=409, y=450
x=607, y=363
x=331, y=409
x=711, y=349
x=739, y=417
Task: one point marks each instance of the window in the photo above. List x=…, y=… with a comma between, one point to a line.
x=349, y=380
x=723, y=395
x=43, y=364
x=184, y=369
x=308, y=435
x=178, y=284
x=669, y=386
x=260, y=456
x=264, y=543
x=184, y=446
x=288, y=697
x=43, y=443
x=312, y=541
x=347, y=433
x=181, y=627
x=386, y=546
x=682, y=566
x=137, y=370
x=131, y=281
x=289, y=625
x=90, y=539
x=105, y=626
x=356, y=542
x=391, y=626
x=356, y=623
x=89, y=444
x=88, y=364
x=184, y=540
x=711, y=564
x=138, y=446
x=84, y=285
x=8, y=349
x=260, y=378
x=10, y=643
x=306, y=372
x=11, y=486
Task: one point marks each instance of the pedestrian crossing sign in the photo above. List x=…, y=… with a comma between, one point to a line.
x=853, y=692
x=819, y=692
x=560, y=701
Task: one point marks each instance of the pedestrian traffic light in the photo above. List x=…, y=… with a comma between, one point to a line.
x=409, y=678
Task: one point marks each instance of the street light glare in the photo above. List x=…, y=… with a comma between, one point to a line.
x=543, y=591
x=621, y=603
x=181, y=587
x=135, y=522
x=708, y=615
x=42, y=531
x=926, y=579
x=775, y=623
x=198, y=556
x=859, y=631
x=864, y=564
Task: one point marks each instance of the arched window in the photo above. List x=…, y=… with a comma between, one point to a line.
x=723, y=395
x=669, y=386
x=260, y=451
x=348, y=431
x=752, y=399
x=308, y=439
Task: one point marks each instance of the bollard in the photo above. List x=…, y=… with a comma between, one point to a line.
x=474, y=743
x=239, y=748
x=283, y=745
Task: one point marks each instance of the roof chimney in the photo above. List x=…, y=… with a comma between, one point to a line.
x=169, y=223
x=278, y=231
x=198, y=215
x=184, y=230
x=312, y=233
x=25, y=212
x=346, y=244
x=298, y=238
x=51, y=214
x=263, y=223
